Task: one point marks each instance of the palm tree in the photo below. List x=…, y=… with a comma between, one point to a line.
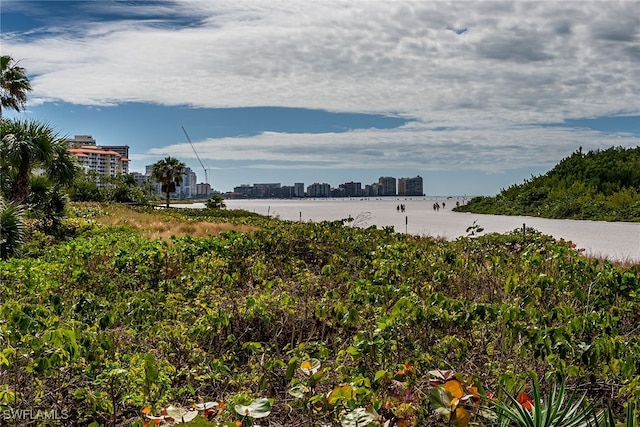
x=14, y=84
x=27, y=146
x=11, y=228
x=168, y=172
x=216, y=201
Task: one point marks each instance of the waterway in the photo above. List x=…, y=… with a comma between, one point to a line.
x=619, y=241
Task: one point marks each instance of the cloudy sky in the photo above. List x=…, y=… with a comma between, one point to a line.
x=472, y=95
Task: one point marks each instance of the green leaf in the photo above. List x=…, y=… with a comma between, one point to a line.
x=291, y=368
x=380, y=374
x=298, y=391
x=343, y=392
x=181, y=415
x=150, y=368
x=315, y=378
x=440, y=400
x=3, y=360
x=359, y=417
x=259, y=408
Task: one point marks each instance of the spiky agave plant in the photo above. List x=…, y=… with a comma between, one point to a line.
x=559, y=410
x=609, y=421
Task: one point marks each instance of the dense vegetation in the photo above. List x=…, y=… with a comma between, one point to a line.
x=327, y=321
x=598, y=185
x=119, y=316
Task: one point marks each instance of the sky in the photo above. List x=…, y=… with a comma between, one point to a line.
x=473, y=96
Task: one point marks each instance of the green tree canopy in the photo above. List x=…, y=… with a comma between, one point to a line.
x=14, y=84
x=168, y=172
x=27, y=146
x=216, y=201
x=600, y=185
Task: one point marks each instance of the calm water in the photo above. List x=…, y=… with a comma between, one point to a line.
x=615, y=241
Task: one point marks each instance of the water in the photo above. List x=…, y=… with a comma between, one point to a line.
x=611, y=240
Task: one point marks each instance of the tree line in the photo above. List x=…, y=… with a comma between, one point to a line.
x=596, y=185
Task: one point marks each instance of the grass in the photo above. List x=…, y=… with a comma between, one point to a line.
x=159, y=225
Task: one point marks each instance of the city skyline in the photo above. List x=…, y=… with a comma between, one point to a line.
x=472, y=96
x=385, y=186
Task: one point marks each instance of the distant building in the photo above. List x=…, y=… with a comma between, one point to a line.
x=203, y=190
x=123, y=150
x=388, y=184
x=187, y=188
x=81, y=141
x=298, y=189
x=244, y=190
x=104, y=160
x=338, y=192
x=286, y=191
x=267, y=190
x=140, y=178
x=410, y=186
x=373, y=190
x=319, y=190
x=352, y=189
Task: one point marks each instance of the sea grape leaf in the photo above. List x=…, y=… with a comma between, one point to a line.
x=298, y=391
x=310, y=366
x=343, y=392
x=359, y=417
x=291, y=368
x=181, y=415
x=380, y=374
x=461, y=417
x=259, y=408
x=440, y=400
x=455, y=388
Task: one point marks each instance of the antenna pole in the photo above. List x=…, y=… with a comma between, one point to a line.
x=206, y=177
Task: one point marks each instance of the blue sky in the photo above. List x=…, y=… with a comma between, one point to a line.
x=472, y=96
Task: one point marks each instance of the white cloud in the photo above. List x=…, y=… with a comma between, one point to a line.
x=485, y=150
x=520, y=61
x=517, y=64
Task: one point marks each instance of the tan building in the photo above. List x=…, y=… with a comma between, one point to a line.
x=104, y=160
x=410, y=186
x=101, y=161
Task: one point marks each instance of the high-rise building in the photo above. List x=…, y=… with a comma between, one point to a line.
x=187, y=188
x=203, y=190
x=352, y=189
x=267, y=190
x=140, y=178
x=123, y=150
x=298, y=189
x=104, y=160
x=319, y=190
x=410, y=186
x=388, y=184
x=373, y=190
x=81, y=141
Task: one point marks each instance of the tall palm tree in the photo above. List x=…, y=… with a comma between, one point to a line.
x=168, y=172
x=14, y=84
x=28, y=146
